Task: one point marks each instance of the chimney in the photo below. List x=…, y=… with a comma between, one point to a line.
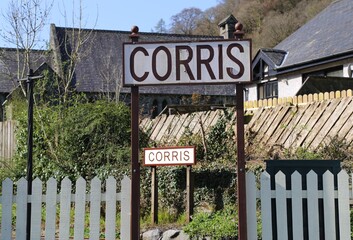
x=227, y=27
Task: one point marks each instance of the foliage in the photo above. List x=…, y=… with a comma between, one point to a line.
x=220, y=141
x=217, y=225
x=160, y=27
x=266, y=22
x=185, y=22
x=84, y=139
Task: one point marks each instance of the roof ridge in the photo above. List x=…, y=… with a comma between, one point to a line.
x=144, y=33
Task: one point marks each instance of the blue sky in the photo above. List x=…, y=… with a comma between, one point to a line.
x=118, y=14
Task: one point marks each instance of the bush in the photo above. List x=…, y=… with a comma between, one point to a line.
x=217, y=225
x=84, y=139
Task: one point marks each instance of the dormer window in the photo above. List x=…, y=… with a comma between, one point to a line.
x=266, y=69
x=261, y=71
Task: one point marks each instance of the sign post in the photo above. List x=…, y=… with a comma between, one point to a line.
x=241, y=190
x=171, y=156
x=186, y=63
x=135, y=165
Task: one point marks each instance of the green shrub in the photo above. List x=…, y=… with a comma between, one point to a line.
x=217, y=225
x=83, y=139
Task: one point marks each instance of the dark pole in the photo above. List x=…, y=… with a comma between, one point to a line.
x=30, y=84
x=135, y=165
x=241, y=191
x=154, y=196
x=30, y=148
x=241, y=177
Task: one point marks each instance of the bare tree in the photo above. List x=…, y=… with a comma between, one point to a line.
x=186, y=21
x=22, y=24
x=75, y=45
x=208, y=23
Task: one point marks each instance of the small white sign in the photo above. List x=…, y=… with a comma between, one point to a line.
x=169, y=156
x=204, y=62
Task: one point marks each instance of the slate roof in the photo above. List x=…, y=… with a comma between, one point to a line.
x=9, y=67
x=100, y=65
x=327, y=37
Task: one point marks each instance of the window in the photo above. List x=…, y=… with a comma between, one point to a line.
x=268, y=90
x=261, y=71
x=330, y=72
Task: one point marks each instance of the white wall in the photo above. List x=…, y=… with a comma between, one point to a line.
x=288, y=86
x=252, y=92
x=346, y=69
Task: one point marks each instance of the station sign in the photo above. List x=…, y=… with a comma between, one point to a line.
x=180, y=63
x=169, y=156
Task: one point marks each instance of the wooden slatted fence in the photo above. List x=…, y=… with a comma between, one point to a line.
x=59, y=206
x=7, y=139
x=310, y=213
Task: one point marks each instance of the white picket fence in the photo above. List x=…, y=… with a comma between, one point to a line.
x=311, y=212
x=83, y=204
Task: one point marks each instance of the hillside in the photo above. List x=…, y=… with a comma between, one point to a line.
x=266, y=22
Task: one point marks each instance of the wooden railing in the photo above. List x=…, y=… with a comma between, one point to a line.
x=301, y=99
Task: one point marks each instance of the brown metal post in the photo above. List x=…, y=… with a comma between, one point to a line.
x=135, y=164
x=241, y=191
x=189, y=194
x=154, y=196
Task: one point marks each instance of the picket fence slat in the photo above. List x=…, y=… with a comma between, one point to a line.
x=125, y=207
x=50, y=217
x=297, y=206
x=266, y=206
x=329, y=205
x=251, y=205
x=36, y=207
x=80, y=204
x=343, y=205
x=21, y=209
x=67, y=201
x=65, y=204
x=6, y=220
x=313, y=206
x=95, y=208
x=281, y=203
x=110, y=209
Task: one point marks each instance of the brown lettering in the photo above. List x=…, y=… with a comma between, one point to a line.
x=132, y=64
x=154, y=63
x=234, y=59
x=220, y=61
x=184, y=62
x=166, y=156
x=186, y=156
x=205, y=62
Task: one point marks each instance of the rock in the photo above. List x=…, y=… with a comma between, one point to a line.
x=175, y=235
x=154, y=234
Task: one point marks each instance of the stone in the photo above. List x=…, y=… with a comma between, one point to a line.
x=175, y=235
x=153, y=234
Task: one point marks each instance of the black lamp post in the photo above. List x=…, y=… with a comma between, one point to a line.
x=30, y=84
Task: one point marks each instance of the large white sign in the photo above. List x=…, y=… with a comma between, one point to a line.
x=206, y=62
x=169, y=156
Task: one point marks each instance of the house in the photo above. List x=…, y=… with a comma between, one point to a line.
x=99, y=69
x=318, y=57
x=13, y=67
